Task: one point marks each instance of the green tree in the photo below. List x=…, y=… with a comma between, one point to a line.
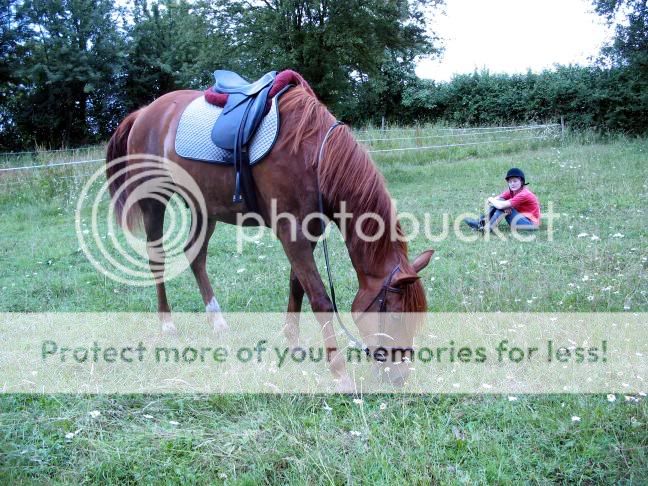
x=630, y=43
x=627, y=55
x=174, y=45
x=73, y=51
x=13, y=33
x=351, y=52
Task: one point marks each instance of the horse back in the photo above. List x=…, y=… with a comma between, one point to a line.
x=158, y=122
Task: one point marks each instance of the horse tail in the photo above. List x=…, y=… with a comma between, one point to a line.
x=117, y=175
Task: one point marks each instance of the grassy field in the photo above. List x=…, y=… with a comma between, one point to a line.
x=596, y=262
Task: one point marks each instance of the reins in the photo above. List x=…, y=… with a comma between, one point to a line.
x=387, y=287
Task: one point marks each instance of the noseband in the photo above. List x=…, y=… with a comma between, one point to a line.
x=381, y=297
x=386, y=288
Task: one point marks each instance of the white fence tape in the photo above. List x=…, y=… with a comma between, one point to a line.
x=458, y=132
x=55, y=164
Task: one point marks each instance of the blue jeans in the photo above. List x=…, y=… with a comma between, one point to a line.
x=514, y=219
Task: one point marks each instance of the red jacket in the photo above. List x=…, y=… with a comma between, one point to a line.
x=524, y=202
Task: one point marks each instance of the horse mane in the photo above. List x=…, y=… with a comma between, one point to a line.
x=347, y=173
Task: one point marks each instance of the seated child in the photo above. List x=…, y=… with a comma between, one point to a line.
x=518, y=205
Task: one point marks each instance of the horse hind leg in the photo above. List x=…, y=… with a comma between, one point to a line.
x=153, y=217
x=295, y=299
x=197, y=257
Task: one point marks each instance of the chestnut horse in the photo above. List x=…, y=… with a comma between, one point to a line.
x=290, y=175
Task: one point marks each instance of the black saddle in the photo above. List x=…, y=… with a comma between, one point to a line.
x=237, y=124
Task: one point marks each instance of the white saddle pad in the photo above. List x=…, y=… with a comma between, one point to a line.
x=193, y=138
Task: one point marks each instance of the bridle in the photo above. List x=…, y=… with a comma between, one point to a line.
x=381, y=297
x=386, y=288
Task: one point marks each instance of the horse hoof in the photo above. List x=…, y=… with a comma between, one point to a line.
x=291, y=333
x=345, y=385
x=218, y=323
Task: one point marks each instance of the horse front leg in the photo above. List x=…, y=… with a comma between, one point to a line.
x=300, y=254
x=197, y=256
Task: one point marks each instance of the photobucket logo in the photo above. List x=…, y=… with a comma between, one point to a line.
x=141, y=258
x=401, y=226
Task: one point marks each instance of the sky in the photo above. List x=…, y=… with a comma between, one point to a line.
x=509, y=36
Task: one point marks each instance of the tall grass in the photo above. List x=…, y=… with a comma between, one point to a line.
x=600, y=192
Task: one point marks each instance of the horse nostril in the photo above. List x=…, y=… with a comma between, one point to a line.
x=380, y=355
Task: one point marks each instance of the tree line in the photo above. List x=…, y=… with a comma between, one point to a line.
x=70, y=70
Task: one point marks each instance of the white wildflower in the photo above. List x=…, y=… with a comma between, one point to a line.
x=94, y=413
x=72, y=435
x=512, y=399
x=576, y=418
x=611, y=397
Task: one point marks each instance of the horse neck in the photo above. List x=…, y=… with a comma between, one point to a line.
x=353, y=187
x=372, y=273
x=372, y=261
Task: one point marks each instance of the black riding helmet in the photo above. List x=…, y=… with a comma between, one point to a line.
x=515, y=172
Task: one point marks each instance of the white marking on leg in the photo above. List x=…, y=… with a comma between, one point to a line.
x=213, y=306
x=168, y=327
x=215, y=316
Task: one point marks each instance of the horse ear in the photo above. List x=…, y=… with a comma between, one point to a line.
x=421, y=261
x=403, y=279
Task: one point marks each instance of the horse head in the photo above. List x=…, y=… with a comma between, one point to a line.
x=389, y=309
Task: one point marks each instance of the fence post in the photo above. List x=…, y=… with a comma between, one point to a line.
x=382, y=125
x=562, y=127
